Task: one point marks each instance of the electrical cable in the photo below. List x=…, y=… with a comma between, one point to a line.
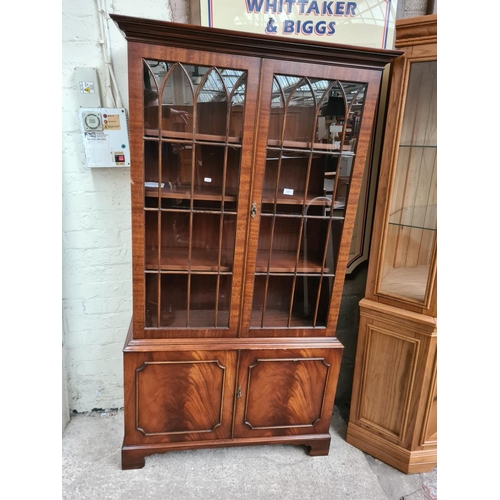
x=105, y=45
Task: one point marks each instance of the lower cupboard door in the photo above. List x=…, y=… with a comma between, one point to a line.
x=178, y=396
x=286, y=392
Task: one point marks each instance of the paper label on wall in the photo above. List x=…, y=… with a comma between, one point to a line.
x=288, y=191
x=97, y=149
x=111, y=122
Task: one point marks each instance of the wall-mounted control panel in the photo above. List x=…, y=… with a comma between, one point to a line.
x=105, y=137
x=87, y=87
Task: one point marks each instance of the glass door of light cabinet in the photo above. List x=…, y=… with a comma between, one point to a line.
x=313, y=125
x=193, y=128
x=409, y=251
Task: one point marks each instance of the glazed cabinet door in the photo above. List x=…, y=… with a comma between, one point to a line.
x=179, y=396
x=286, y=392
x=191, y=177
x=314, y=126
x=407, y=266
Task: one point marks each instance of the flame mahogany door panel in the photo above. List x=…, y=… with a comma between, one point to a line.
x=286, y=392
x=179, y=395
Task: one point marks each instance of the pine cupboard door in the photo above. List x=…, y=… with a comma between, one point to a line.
x=313, y=134
x=285, y=392
x=406, y=271
x=403, y=255
x=179, y=396
x=192, y=160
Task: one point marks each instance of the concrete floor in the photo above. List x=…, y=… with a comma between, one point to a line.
x=91, y=470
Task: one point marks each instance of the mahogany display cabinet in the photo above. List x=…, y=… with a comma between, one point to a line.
x=393, y=414
x=247, y=157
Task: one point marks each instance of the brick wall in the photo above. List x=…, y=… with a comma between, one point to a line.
x=96, y=245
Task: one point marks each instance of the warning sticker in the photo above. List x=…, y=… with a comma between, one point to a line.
x=87, y=88
x=111, y=122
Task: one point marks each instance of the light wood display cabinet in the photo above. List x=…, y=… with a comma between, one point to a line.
x=246, y=163
x=393, y=414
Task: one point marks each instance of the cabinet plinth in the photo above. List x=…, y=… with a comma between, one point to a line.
x=243, y=205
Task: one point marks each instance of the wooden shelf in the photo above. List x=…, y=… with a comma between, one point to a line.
x=172, y=134
x=284, y=262
x=407, y=282
x=296, y=199
x=319, y=146
x=275, y=318
x=176, y=259
x=198, y=318
x=184, y=192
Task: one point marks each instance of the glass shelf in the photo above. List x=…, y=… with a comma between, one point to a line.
x=423, y=217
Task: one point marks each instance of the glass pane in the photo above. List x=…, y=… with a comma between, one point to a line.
x=300, y=112
x=238, y=81
x=211, y=97
x=223, y=306
x=151, y=312
x=313, y=127
x=343, y=179
x=212, y=105
x=193, y=122
x=170, y=85
x=412, y=225
x=152, y=241
x=282, y=235
x=173, y=311
x=309, y=309
x=151, y=92
x=152, y=179
x=271, y=302
x=166, y=307
x=210, y=296
x=210, y=164
x=177, y=99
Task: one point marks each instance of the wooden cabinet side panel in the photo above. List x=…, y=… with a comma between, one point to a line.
x=389, y=372
x=429, y=431
x=393, y=375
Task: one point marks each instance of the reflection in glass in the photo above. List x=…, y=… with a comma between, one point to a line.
x=209, y=301
x=193, y=119
x=312, y=136
x=196, y=241
x=214, y=105
x=410, y=242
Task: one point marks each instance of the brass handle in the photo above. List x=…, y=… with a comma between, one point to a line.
x=253, y=211
x=238, y=392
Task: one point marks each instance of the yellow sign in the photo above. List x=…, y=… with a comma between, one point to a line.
x=368, y=23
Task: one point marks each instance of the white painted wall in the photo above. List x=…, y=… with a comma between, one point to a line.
x=96, y=251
